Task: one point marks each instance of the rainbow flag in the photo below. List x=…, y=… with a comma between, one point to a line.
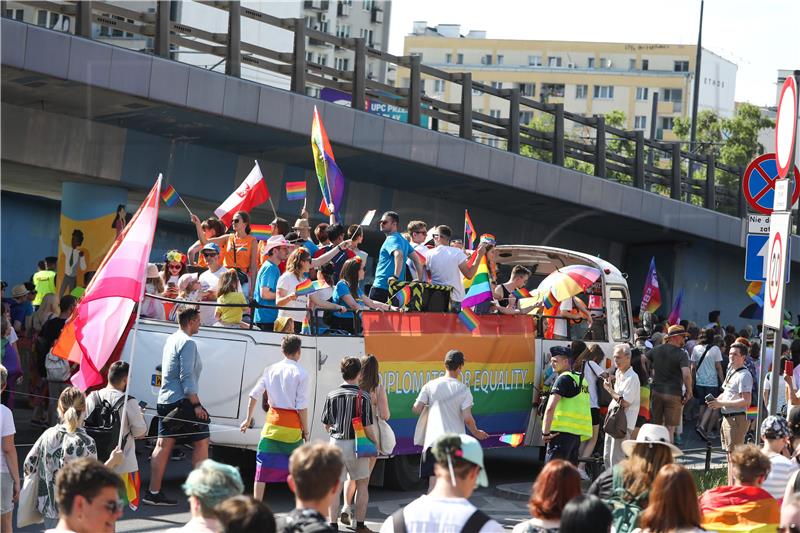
x=306, y=327
x=651, y=295
x=644, y=402
x=470, y=235
x=731, y=509
x=170, y=196
x=280, y=436
x=262, y=232
x=307, y=287
x=468, y=317
x=330, y=177
x=295, y=190
x=752, y=412
x=512, y=439
x=403, y=296
x=480, y=288
x=675, y=314
x=364, y=446
x=522, y=292
x=755, y=290
x=129, y=494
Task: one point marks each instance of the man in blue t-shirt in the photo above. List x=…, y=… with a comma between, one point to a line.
x=277, y=251
x=392, y=258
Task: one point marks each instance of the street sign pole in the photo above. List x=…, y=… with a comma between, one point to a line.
x=776, y=360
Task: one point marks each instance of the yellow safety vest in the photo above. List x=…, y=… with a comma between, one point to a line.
x=573, y=415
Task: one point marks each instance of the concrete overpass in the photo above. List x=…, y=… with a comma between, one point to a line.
x=80, y=110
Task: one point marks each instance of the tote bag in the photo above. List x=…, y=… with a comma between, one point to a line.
x=364, y=446
x=27, y=512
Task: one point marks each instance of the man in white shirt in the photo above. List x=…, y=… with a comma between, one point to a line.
x=447, y=265
x=449, y=404
x=459, y=470
x=133, y=426
x=209, y=281
x=417, y=232
x=626, y=393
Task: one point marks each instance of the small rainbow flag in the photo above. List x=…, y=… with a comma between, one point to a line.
x=512, y=439
x=522, y=292
x=130, y=493
x=468, y=317
x=262, y=232
x=306, y=328
x=307, y=287
x=403, y=296
x=752, y=412
x=295, y=190
x=550, y=301
x=170, y=196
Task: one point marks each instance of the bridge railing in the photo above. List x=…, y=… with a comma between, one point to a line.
x=588, y=144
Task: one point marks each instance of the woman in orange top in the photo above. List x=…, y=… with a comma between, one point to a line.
x=240, y=249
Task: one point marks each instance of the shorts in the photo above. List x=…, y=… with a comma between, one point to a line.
x=6, y=493
x=183, y=425
x=734, y=430
x=666, y=409
x=597, y=418
x=355, y=467
x=426, y=463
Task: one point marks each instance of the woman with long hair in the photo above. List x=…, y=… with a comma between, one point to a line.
x=646, y=455
x=120, y=220
x=174, y=267
x=240, y=248
x=555, y=486
x=38, y=386
x=369, y=381
x=586, y=513
x=588, y=364
x=348, y=294
x=228, y=293
x=297, y=266
x=673, y=505
x=212, y=227
x=47, y=309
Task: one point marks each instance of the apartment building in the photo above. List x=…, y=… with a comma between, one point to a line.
x=589, y=78
x=344, y=18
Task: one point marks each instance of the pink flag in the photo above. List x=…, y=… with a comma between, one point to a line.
x=93, y=331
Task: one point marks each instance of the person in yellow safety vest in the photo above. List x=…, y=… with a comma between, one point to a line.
x=567, y=418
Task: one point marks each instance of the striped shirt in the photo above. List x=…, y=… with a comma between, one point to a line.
x=782, y=470
x=340, y=409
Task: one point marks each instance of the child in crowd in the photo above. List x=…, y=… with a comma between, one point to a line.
x=228, y=293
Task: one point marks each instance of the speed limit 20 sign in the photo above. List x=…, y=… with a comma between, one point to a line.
x=776, y=269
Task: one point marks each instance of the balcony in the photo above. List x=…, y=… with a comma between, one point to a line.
x=321, y=5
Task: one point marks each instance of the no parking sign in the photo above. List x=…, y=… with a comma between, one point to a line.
x=758, y=183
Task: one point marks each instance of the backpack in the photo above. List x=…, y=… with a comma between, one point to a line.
x=625, y=508
x=303, y=521
x=104, y=424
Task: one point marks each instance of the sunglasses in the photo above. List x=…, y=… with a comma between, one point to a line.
x=113, y=507
x=383, y=222
x=792, y=528
x=174, y=267
x=236, y=220
x=211, y=254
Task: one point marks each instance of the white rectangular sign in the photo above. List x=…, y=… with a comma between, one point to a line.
x=777, y=261
x=781, y=202
x=758, y=224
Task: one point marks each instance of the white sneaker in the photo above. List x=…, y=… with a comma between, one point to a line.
x=583, y=474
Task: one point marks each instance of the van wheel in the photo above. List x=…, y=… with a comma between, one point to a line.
x=402, y=473
x=244, y=460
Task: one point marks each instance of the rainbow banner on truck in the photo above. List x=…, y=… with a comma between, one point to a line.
x=499, y=368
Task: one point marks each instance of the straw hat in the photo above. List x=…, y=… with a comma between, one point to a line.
x=152, y=270
x=676, y=331
x=301, y=223
x=651, y=434
x=19, y=291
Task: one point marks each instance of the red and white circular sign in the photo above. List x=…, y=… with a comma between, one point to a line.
x=775, y=274
x=786, y=126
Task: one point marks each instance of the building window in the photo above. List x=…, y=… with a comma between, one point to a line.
x=527, y=89
x=605, y=62
x=367, y=5
x=534, y=61
x=494, y=113
x=590, y=62
x=500, y=59
x=639, y=122
x=497, y=85
x=323, y=60
x=438, y=86
x=645, y=64
x=631, y=64
x=342, y=63
x=493, y=142
x=448, y=58
x=312, y=92
x=604, y=92
x=367, y=34
x=681, y=66
x=460, y=59
x=310, y=57
x=476, y=92
x=310, y=22
x=486, y=59
x=642, y=93
x=666, y=123
x=553, y=61
x=525, y=117
x=16, y=14
x=672, y=95
x=581, y=91
x=343, y=30
x=553, y=89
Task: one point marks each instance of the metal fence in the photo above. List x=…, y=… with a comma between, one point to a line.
x=605, y=151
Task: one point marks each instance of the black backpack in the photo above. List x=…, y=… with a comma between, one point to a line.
x=104, y=424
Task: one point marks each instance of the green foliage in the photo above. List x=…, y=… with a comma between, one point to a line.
x=709, y=480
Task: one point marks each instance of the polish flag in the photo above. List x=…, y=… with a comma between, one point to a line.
x=250, y=194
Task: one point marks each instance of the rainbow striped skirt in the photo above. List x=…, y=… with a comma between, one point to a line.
x=280, y=436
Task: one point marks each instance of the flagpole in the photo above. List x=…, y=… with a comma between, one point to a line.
x=465, y=229
x=186, y=206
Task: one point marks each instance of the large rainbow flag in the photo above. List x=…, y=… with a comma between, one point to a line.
x=739, y=509
x=330, y=177
x=499, y=367
x=651, y=294
x=479, y=289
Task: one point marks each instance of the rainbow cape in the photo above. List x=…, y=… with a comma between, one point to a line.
x=295, y=190
x=479, y=289
x=739, y=509
x=280, y=436
x=262, y=232
x=330, y=177
x=170, y=196
x=468, y=318
x=512, y=439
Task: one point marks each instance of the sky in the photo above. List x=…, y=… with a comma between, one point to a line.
x=754, y=34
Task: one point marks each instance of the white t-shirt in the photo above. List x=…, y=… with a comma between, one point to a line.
x=443, y=264
x=707, y=374
x=627, y=385
x=560, y=327
x=591, y=372
x=423, y=251
x=286, y=383
x=209, y=281
x=443, y=515
x=288, y=282
x=779, y=475
x=6, y=428
x=781, y=389
x=446, y=399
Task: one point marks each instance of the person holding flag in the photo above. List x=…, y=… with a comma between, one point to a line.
x=392, y=257
x=240, y=248
x=447, y=264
